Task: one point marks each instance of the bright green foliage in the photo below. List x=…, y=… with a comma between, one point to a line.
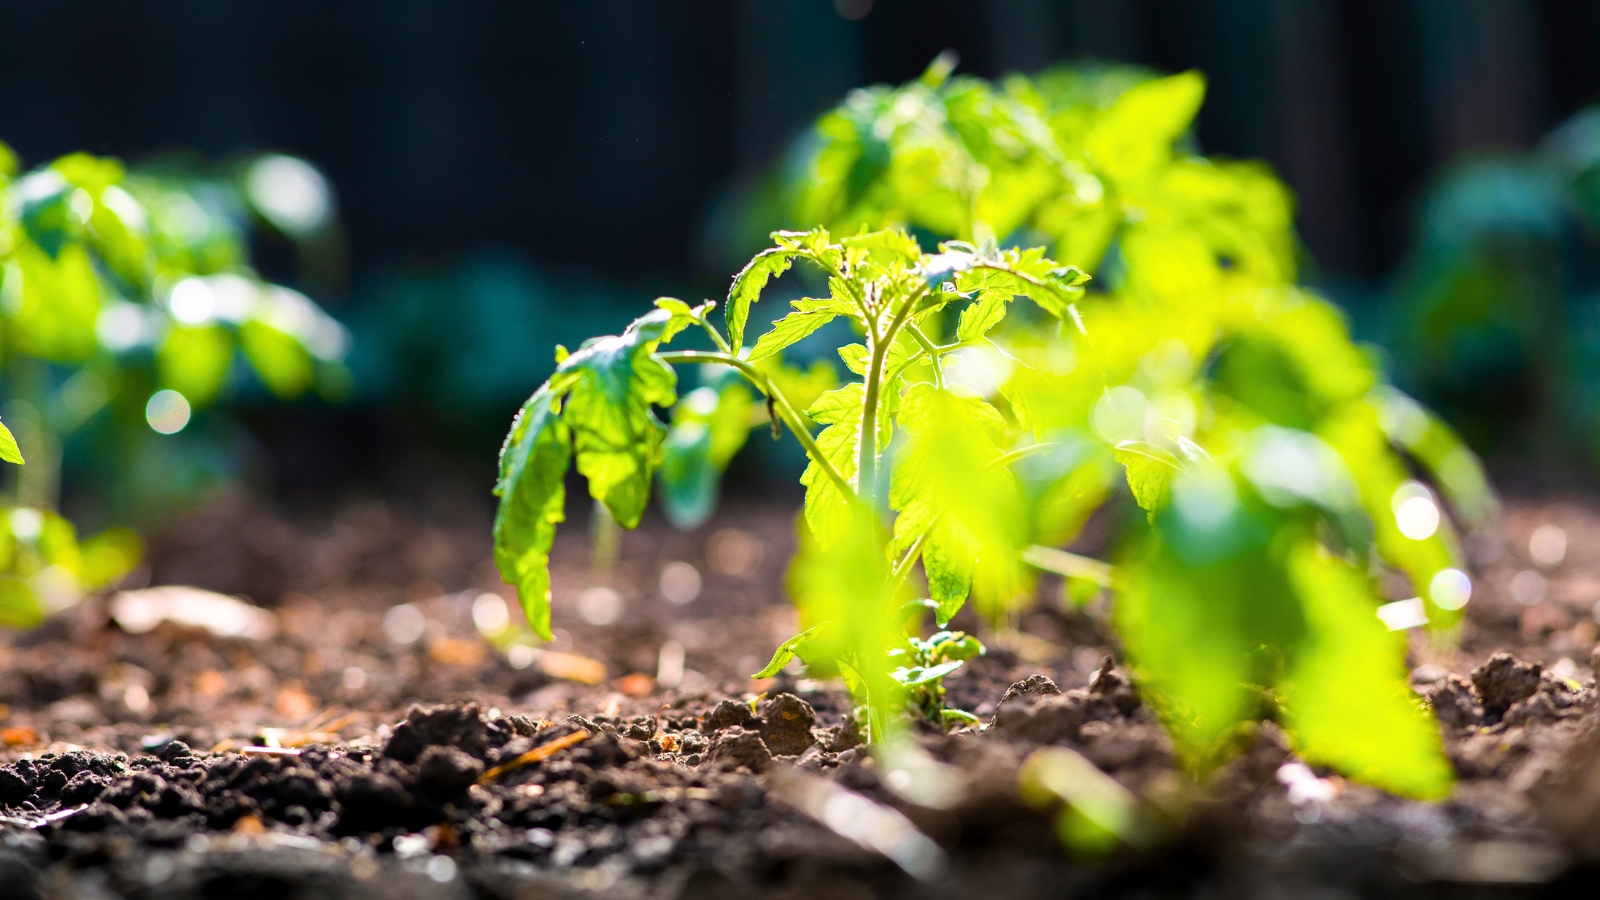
x=854, y=568
x=115, y=285
x=1261, y=442
x=44, y=567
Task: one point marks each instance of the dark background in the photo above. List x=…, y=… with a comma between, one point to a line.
x=599, y=136
x=597, y=141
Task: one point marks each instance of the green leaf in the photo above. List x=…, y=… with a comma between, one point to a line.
x=282, y=361
x=1150, y=469
x=532, y=492
x=682, y=316
x=1346, y=700
x=747, y=287
x=788, y=330
x=614, y=383
x=827, y=510
x=915, y=675
x=9, y=451
x=709, y=425
x=796, y=646
x=1135, y=136
x=984, y=313
x=194, y=361
x=948, y=486
x=19, y=605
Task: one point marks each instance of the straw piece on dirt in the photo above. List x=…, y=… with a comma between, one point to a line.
x=571, y=667
x=269, y=751
x=537, y=754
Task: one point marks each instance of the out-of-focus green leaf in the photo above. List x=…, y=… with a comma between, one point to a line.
x=948, y=485
x=109, y=555
x=709, y=425
x=194, y=361
x=1150, y=469
x=9, y=451
x=1345, y=696
x=847, y=583
x=281, y=361
x=19, y=605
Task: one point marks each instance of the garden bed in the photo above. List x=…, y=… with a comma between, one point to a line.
x=358, y=752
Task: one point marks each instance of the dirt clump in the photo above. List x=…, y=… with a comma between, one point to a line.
x=1503, y=681
x=735, y=747
x=1455, y=703
x=786, y=723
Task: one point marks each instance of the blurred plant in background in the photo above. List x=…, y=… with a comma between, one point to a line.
x=128, y=308
x=1495, y=315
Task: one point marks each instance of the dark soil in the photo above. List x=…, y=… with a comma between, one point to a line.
x=436, y=768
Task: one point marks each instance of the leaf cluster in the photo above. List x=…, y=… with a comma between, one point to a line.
x=1273, y=463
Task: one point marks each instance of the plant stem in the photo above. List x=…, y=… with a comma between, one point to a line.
x=935, y=358
x=867, y=467
x=786, y=411
x=1068, y=565
x=903, y=567
x=1024, y=452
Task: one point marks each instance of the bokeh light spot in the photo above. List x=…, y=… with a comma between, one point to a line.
x=167, y=411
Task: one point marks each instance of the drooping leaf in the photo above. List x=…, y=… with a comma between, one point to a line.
x=617, y=438
x=532, y=491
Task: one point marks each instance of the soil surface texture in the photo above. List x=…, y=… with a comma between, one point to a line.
x=372, y=730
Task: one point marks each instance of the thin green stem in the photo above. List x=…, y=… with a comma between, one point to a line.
x=867, y=466
x=934, y=356
x=902, y=569
x=785, y=409
x=1024, y=452
x=716, y=336
x=1069, y=565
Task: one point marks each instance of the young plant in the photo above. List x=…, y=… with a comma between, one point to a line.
x=900, y=443
x=1271, y=461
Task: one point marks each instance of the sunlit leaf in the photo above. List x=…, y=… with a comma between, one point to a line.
x=1345, y=696
x=532, y=491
